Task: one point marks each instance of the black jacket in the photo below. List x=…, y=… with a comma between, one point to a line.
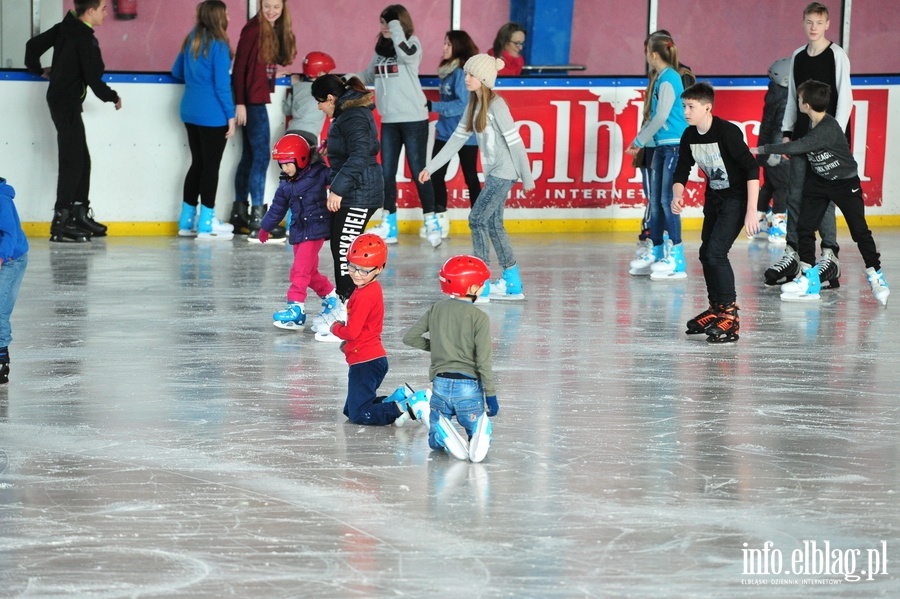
x=77, y=63
x=353, y=148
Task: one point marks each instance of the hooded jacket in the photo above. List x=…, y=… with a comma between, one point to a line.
x=396, y=78
x=77, y=63
x=13, y=243
x=305, y=195
x=353, y=149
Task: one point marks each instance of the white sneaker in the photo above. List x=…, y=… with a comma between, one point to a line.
x=432, y=229
x=381, y=229
x=328, y=338
x=444, y=221
x=879, y=286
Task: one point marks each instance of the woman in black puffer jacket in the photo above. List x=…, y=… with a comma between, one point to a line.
x=357, y=182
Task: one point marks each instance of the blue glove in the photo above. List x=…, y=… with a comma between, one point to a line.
x=492, y=406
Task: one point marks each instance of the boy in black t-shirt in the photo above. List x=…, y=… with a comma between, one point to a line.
x=732, y=189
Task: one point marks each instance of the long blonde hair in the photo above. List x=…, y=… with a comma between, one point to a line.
x=277, y=44
x=478, y=122
x=211, y=25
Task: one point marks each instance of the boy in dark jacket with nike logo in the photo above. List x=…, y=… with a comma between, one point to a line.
x=834, y=178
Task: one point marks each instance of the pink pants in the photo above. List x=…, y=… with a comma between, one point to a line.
x=305, y=272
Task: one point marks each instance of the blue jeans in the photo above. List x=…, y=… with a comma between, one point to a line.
x=665, y=159
x=415, y=137
x=363, y=406
x=486, y=222
x=250, y=178
x=462, y=397
x=723, y=218
x=11, y=274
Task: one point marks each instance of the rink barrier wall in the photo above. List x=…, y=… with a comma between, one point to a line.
x=575, y=131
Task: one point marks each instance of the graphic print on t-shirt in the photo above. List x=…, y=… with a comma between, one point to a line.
x=709, y=158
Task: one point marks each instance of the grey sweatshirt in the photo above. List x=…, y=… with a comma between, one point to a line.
x=398, y=93
x=304, y=110
x=502, y=149
x=825, y=147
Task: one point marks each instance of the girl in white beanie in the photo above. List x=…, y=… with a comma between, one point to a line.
x=504, y=161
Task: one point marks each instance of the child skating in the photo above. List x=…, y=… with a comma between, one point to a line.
x=504, y=161
x=302, y=190
x=732, y=188
x=13, y=260
x=361, y=342
x=306, y=118
x=458, y=336
x=833, y=177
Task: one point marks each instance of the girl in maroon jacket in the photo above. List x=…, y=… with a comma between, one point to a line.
x=266, y=41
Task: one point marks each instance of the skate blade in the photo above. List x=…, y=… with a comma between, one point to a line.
x=508, y=297
x=722, y=338
x=327, y=338
x=639, y=272
x=215, y=236
x=450, y=438
x=288, y=326
x=481, y=440
x=809, y=297
x=64, y=239
x=668, y=276
x=186, y=233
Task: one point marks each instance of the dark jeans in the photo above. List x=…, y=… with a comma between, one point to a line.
x=347, y=224
x=363, y=406
x=250, y=178
x=723, y=218
x=207, y=146
x=415, y=137
x=468, y=162
x=73, y=184
x=827, y=227
x=818, y=195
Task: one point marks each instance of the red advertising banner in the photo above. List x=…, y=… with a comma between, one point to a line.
x=576, y=140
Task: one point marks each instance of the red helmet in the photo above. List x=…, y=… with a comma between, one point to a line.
x=317, y=62
x=461, y=272
x=292, y=148
x=368, y=250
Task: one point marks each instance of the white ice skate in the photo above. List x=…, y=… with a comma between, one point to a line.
x=481, y=440
x=449, y=437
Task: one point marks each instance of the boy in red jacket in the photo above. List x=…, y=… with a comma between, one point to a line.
x=361, y=341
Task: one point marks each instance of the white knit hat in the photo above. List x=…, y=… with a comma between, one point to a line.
x=484, y=68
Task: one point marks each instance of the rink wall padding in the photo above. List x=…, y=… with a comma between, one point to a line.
x=575, y=132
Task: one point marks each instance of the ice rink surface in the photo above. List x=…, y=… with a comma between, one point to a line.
x=160, y=438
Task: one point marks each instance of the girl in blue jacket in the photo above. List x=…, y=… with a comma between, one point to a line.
x=207, y=110
x=13, y=260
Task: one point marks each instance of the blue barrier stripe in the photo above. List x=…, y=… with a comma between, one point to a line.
x=511, y=82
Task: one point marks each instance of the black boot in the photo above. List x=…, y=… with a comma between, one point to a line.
x=63, y=229
x=4, y=365
x=256, y=215
x=83, y=218
x=240, y=218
